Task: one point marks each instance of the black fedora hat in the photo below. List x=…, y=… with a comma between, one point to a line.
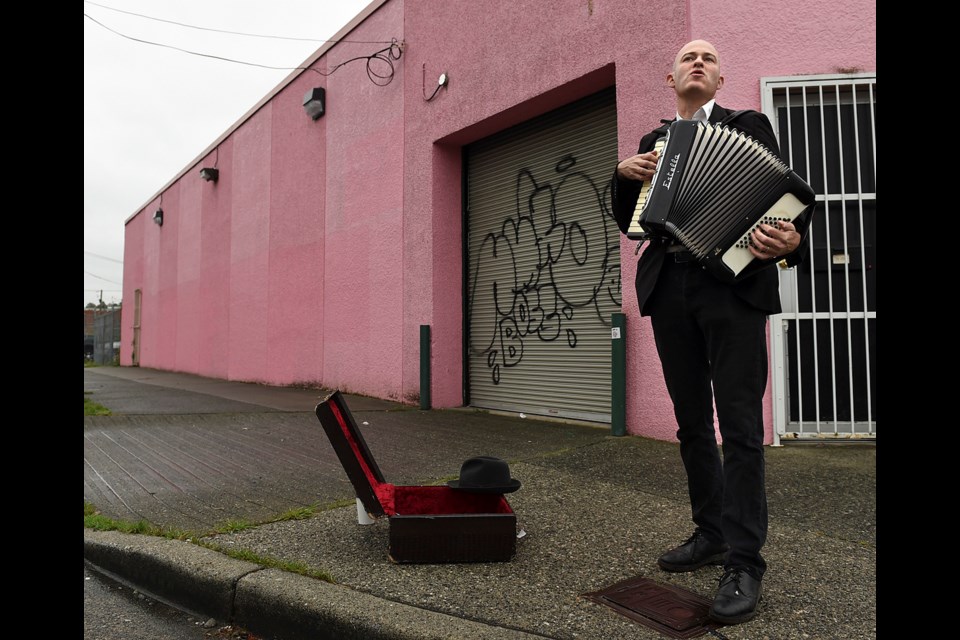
x=485, y=474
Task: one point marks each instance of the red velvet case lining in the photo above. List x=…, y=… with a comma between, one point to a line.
x=425, y=500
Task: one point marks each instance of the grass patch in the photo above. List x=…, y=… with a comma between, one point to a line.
x=233, y=526
x=91, y=408
x=270, y=562
x=93, y=519
x=99, y=522
x=300, y=513
x=179, y=534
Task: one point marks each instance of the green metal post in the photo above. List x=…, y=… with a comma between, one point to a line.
x=618, y=377
x=424, y=366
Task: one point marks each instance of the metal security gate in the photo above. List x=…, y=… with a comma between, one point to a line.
x=106, y=337
x=543, y=263
x=824, y=345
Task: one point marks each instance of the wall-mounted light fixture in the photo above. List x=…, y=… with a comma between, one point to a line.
x=314, y=102
x=158, y=216
x=210, y=174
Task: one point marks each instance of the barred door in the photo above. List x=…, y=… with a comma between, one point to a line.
x=824, y=344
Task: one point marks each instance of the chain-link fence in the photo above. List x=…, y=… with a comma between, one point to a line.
x=106, y=337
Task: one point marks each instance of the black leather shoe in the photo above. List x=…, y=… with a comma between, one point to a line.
x=696, y=552
x=737, y=597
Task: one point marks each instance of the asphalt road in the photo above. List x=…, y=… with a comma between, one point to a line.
x=113, y=611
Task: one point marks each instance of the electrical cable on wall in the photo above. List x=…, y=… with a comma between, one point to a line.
x=441, y=82
x=386, y=55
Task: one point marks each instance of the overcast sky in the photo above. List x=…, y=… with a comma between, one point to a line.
x=149, y=110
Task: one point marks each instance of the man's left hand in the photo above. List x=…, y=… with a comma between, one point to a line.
x=769, y=242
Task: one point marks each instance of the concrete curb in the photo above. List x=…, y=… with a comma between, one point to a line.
x=269, y=602
x=199, y=580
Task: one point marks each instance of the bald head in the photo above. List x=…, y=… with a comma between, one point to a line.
x=695, y=77
x=692, y=47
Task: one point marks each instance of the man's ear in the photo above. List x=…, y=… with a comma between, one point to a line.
x=670, y=81
x=719, y=82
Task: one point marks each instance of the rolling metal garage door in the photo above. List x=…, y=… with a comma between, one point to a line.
x=543, y=263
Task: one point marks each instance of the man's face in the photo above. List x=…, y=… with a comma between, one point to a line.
x=696, y=71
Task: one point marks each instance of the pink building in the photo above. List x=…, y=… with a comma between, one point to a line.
x=479, y=209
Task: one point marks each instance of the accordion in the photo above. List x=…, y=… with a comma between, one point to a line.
x=712, y=188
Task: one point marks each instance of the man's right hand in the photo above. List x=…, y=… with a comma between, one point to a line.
x=639, y=167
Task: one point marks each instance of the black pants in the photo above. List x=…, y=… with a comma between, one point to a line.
x=707, y=337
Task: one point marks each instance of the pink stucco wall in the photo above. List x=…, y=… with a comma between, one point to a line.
x=325, y=245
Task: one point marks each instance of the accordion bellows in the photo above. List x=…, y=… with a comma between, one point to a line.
x=713, y=186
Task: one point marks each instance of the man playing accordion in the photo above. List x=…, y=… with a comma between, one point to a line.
x=711, y=339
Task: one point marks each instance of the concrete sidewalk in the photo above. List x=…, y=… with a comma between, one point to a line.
x=191, y=453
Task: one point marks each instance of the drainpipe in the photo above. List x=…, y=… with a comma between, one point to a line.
x=618, y=377
x=424, y=366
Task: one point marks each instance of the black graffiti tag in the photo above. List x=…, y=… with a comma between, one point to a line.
x=543, y=267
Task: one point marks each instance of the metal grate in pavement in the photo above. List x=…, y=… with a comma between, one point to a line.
x=673, y=611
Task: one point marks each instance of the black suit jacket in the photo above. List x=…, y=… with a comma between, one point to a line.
x=760, y=290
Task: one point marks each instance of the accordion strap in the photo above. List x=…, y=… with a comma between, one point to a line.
x=730, y=117
x=733, y=116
